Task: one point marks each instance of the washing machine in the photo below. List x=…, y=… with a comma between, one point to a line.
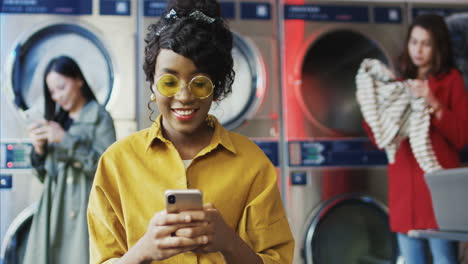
x=253, y=108
x=456, y=17
x=100, y=36
x=19, y=193
x=336, y=175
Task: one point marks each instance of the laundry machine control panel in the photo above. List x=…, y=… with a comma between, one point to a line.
x=341, y=153
x=15, y=155
x=333, y=13
x=442, y=11
x=325, y=153
x=64, y=7
x=270, y=148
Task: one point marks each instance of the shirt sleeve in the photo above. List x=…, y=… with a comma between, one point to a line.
x=84, y=153
x=38, y=163
x=107, y=234
x=453, y=124
x=264, y=226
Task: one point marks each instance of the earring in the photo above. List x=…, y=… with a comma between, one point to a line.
x=153, y=97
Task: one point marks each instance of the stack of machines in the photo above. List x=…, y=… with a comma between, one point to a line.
x=100, y=36
x=337, y=179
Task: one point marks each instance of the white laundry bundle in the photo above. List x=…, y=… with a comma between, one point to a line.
x=393, y=114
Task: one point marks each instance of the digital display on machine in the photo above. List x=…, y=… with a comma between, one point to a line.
x=154, y=8
x=332, y=13
x=352, y=152
x=15, y=155
x=439, y=11
x=256, y=11
x=323, y=153
x=388, y=15
x=114, y=7
x=270, y=148
x=228, y=10
x=59, y=7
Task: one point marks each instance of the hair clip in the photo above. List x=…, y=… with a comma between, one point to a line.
x=172, y=14
x=198, y=15
x=158, y=33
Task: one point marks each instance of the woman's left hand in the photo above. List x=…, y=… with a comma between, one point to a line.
x=420, y=88
x=55, y=133
x=221, y=238
x=218, y=232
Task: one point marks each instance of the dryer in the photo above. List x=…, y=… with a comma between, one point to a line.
x=329, y=154
x=99, y=35
x=253, y=108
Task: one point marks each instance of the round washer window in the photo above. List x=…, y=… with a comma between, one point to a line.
x=233, y=110
x=327, y=94
x=350, y=229
x=33, y=55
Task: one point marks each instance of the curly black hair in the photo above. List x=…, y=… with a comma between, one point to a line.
x=208, y=45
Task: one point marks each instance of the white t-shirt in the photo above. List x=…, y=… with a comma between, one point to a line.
x=187, y=163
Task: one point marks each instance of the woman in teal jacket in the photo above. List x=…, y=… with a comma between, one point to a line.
x=67, y=147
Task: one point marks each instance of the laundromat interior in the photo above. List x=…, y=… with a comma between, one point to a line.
x=294, y=95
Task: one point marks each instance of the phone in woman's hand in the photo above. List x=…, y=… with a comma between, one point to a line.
x=34, y=118
x=183, y=200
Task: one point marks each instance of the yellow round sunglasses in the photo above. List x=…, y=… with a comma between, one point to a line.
x=200, y=86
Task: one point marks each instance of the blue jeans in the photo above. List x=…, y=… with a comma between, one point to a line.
x=414, y=250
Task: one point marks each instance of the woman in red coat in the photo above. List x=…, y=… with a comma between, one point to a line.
x=427, y=63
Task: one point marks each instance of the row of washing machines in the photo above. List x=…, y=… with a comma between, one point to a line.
x=295, y=62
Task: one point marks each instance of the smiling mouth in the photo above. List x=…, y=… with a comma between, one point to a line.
x=184, y=114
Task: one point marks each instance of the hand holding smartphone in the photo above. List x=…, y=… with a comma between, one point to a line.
x=183, y=200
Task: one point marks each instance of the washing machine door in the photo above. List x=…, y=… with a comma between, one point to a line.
x=32, y=55
x=327, y=94
x=14, y=243
x=248, y=87
x=349, y=229
x=458, y=26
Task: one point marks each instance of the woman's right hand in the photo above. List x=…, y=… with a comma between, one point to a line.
x=38, y=133
x=159, y=242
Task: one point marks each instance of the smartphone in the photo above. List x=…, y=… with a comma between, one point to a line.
x=183, y=200
x=34, y=117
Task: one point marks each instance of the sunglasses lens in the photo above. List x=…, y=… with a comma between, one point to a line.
x=168, y=85
x=201, y=87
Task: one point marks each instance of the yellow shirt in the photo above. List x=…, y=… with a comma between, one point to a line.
x=232, y=172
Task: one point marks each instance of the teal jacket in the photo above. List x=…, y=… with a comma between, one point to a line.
x=59, y=231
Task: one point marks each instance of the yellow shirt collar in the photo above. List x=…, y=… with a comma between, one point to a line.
x=220, y=136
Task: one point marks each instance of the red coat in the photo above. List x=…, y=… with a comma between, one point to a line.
x=409, y=199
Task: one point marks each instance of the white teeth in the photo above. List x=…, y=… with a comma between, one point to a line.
x=184, y=112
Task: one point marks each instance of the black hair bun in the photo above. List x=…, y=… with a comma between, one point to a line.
x=210, y=8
